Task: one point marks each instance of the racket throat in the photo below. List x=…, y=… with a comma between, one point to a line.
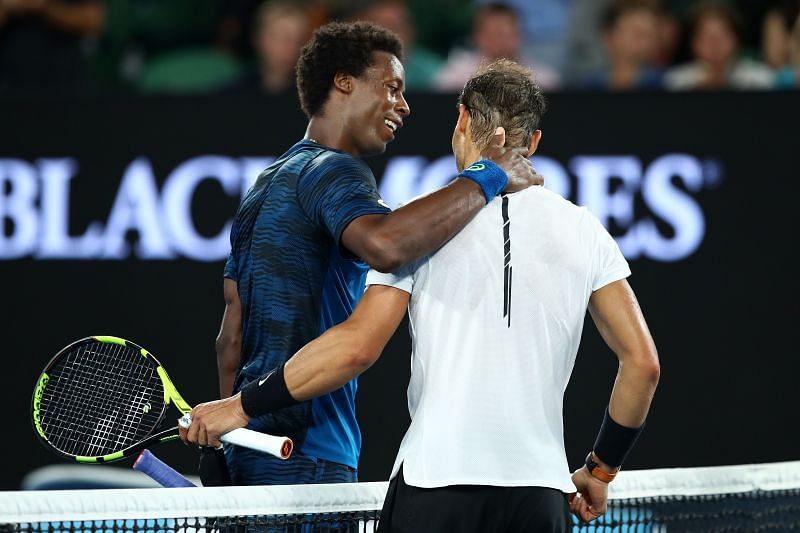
x=171, y=393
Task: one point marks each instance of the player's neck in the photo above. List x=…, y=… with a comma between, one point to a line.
x=471, y=154
x=329, y=133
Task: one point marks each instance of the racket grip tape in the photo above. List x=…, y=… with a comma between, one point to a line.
x=280, y=447
x=160, y=471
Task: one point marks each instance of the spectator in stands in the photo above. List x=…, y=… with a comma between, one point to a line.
x=545, y=26
x=165, y=46
x=669, y=38
x=631, y=37
x=421, y=64
x=235, y=26
x=441, y=24
x=584, y=54
x=789, y=76
x=715, y=34
x=780, y=38
x=42, y=42
x=496, y=34
x=280, y=29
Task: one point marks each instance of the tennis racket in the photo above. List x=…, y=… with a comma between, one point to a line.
x=102, y=399
x=160, y=471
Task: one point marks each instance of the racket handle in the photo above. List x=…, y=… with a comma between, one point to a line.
x=160, y=471
x=280, y=447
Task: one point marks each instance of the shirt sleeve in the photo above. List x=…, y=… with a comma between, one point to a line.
x=336, y=189
x=609, y=263
x=403, y=279
x=231, y=270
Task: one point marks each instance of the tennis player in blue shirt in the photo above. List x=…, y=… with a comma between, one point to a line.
x=309, y=229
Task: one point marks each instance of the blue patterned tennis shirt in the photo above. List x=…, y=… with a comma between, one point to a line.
x=295, y=280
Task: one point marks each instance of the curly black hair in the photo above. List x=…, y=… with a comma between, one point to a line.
x=339, y=47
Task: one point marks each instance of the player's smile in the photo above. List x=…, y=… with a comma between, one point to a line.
x=392, y=124
x=381, y=99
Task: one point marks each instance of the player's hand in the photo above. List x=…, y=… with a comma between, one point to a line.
x=212, y=419
x=591, y=500
x=513, y=161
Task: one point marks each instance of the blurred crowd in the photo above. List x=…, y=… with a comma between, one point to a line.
x=237, y=46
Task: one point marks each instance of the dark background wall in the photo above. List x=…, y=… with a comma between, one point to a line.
x=722, y=316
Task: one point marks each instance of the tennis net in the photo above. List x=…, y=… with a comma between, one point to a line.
x=744, y=498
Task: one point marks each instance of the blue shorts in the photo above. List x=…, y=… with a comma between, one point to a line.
x=250, y=467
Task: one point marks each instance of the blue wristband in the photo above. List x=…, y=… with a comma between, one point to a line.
x=491, y=178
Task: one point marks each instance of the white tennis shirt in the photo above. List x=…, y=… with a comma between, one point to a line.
x=495, y=323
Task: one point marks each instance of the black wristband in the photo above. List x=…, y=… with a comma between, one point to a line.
x=267, y=394
x=614, y=441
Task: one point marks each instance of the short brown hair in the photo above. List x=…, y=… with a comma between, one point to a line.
x=503, y=93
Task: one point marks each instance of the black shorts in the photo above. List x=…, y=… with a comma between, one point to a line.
x=473, y=508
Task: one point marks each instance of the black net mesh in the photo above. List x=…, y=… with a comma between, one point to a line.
x=343, y=522
x=754, y=511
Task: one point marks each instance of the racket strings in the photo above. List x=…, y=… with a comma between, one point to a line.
x=100, y=399
x=132, y=427
x=103, y=437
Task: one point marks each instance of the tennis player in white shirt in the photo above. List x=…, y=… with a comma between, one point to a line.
x=496, y=317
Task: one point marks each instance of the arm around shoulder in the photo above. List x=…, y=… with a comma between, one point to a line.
x=348, y=349
x=388, y=242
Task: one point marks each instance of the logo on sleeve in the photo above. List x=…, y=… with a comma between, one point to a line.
x=384, y=204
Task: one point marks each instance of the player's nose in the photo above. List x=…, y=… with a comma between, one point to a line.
x=402, y=108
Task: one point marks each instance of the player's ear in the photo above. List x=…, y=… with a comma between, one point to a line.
x=535, y=138
x=463, y=119
x=343, y=82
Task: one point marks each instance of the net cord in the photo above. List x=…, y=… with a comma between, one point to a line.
x=706, y=480
x=127, y=504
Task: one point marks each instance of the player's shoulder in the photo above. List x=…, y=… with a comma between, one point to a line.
x=540, y=202
x=544, y=198
x=332, y=161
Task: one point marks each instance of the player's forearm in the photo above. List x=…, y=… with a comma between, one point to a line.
x=328, y=362
x=422, y=226
x=226, y=379
x=633, y=392
x=228, y=353
x=337, y=356
x=229, y=338
x=619, y=319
